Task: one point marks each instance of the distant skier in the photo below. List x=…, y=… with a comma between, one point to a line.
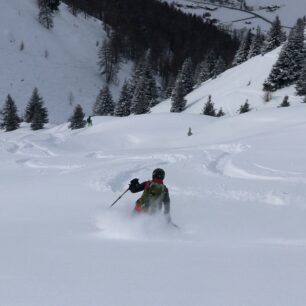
x=89, y=121
x=155, y=194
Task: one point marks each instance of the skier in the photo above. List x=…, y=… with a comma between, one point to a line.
x=155, y=194
x=89, y=121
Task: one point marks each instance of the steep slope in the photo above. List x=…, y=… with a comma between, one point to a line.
x=61, y=62
x=236, y=85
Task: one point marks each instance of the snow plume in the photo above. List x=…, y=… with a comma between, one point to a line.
x=124, y=224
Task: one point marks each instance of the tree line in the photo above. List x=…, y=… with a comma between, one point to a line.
x=35, y=113
x=136, y=26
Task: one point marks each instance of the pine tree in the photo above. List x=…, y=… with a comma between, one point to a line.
x=45, y=17
x=285, y=102
x=177, y=99
x=243, y=50
x=104, y=104
x=256, y=44
x=141, y=100
x=289, y=65
x=36, y=105
x=301, y=83
x=220, y=113
x=10, y=119
x=73, y=7
x=37, y=120
x=54, y=5
x=123, y=106
x=244, y=108
x=207, y=68
x=186, y=75
x=219, y=67
x=275, y=37
x=151, y=87
x=267, y=92
x=143, y=86
x=107, y=61
x=77, y=119
x=209, y=108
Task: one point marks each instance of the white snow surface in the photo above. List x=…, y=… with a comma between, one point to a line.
x=288, y=11
x=237, y=189
x=235, y=86
x=237, y=186
x=67, y=76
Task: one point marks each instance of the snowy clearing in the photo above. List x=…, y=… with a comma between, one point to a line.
x=237, y=189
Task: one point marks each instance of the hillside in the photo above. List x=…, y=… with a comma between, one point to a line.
x=66, y=75
x=236, y=85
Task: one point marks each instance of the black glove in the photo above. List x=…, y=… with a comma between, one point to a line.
x=133, y=183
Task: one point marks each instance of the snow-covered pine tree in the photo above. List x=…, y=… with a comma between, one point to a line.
x=275, y=36
x=37, y=121
x=209, y=108
x=285, y=102
x=243, y=50
x=104, y=104
x=256, y=44
x=54, y=5
x=45, y=17
x=73, y=7
x=151, y=87
x=267, y=92
x=301, y=83
x=289, y=64
x=219, y=67
x=206, y=70
x=137, y=75
x=10, y=119
x=77, y=119
x=108, y=65
x=177, y=98
x=36, y=104
x=123, y=106
x=141, y=101
x=220, y=113
x=244, y=108
x=143, y=86
x=186, y=75
x=40, y=115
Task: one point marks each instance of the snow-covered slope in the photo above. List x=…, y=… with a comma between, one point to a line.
x=237, y=188
x=288, y=11
x=232, y=88
x=67, y=76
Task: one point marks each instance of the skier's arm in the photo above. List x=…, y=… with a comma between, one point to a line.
x=135, y=186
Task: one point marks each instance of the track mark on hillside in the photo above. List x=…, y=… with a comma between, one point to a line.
x=31, y=163
x=221, y=162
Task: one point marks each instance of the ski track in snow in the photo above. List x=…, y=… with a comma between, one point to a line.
x=222, y=160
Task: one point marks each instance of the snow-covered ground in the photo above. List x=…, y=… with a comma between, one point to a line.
x=237, y=189
x=288, y=11
x=232, y=88
x=61, y=63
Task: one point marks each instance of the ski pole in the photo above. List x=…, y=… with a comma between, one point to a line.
x=119, y=197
